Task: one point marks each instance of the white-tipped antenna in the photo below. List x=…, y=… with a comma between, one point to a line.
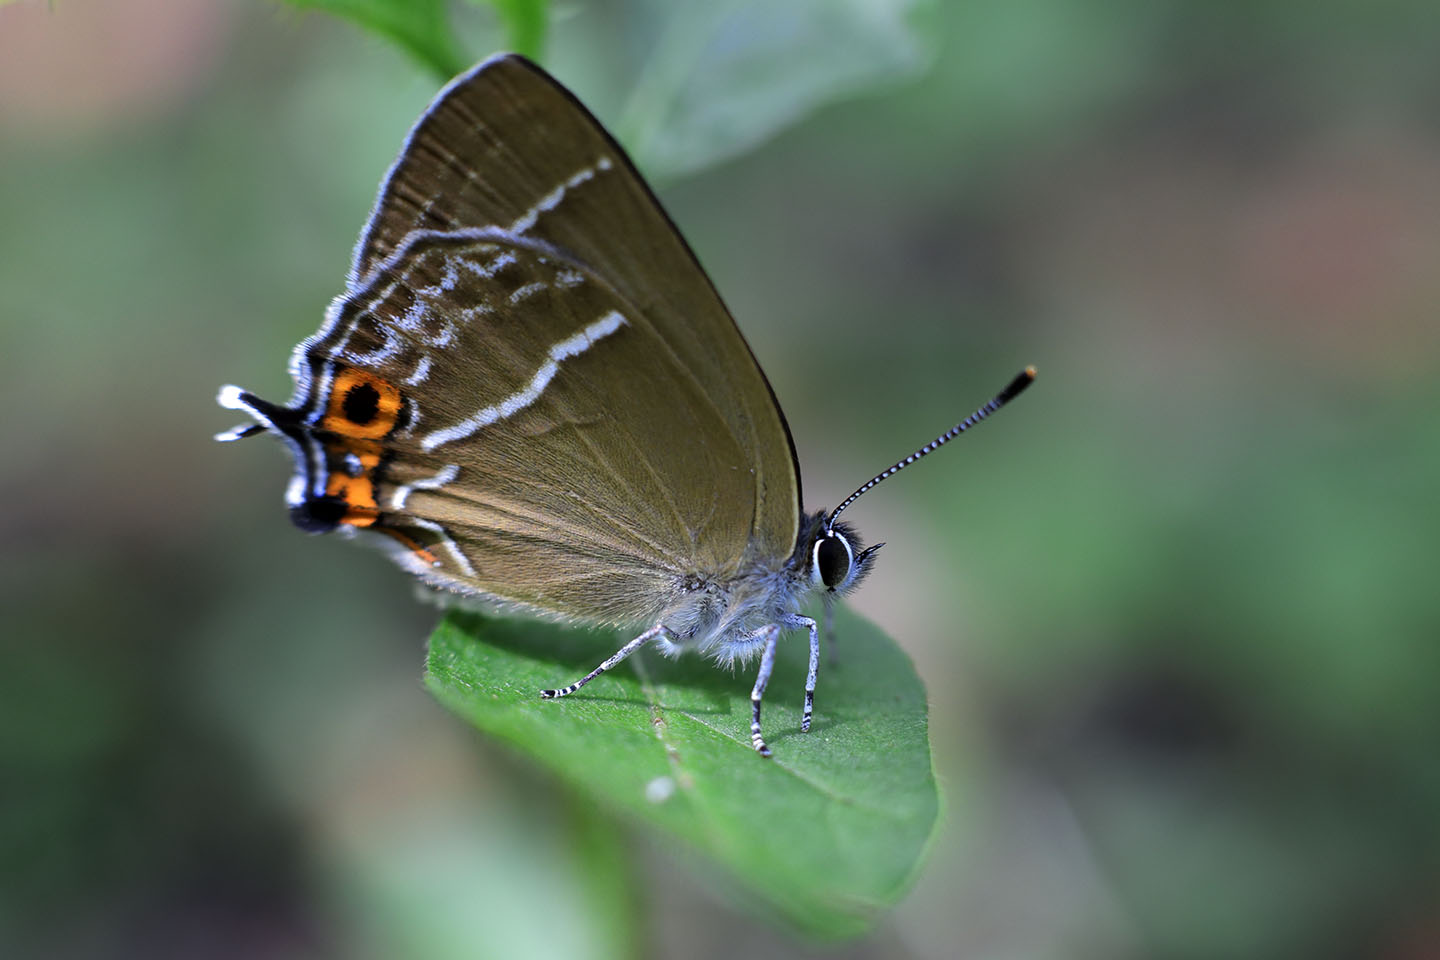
x=1015, y=388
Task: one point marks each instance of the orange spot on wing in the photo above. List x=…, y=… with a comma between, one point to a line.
x=361, y=411
x=359, y=496
x=362, y=406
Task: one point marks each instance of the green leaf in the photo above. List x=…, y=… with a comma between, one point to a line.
x=723, y=76
x=525, y=24
x=829, y=832
x=419, y=27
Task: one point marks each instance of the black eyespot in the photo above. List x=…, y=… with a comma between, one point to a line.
x=362, y=403
x=318, y=514
x=833, y=558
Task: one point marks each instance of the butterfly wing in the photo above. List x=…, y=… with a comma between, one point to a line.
x=521, y=431
x=506, y=148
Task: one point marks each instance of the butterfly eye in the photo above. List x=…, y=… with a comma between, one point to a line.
x=833, y=560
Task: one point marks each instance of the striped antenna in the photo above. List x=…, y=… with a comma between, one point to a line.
x=1015, y=388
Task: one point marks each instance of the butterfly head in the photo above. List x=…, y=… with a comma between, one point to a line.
x=837, y=562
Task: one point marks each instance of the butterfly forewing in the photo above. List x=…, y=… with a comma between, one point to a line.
x=506, y=149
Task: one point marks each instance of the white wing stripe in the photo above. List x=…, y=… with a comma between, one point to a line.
x=446, y=473
x=552, y=199
x=564, y=350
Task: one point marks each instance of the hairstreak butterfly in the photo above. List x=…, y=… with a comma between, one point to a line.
x=531, y=394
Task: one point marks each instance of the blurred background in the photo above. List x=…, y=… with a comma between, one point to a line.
x=1175, y=610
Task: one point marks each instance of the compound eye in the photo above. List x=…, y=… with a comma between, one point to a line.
x=833, y=561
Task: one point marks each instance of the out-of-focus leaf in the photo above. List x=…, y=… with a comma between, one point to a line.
x=828, y=832
x=724, y=76
x=525, y=876
x=420, y=27
x=525, y=24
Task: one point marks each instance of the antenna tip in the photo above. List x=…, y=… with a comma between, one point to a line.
x=1017, y=386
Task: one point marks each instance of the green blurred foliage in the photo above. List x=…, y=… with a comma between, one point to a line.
x=526, y=23
x=718, y=78
x=424, y=28
x=1172, y=608
x=419, y=27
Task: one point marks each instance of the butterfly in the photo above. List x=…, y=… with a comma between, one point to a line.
x=530, y=393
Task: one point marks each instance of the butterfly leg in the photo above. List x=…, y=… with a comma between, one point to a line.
x=799, y=622
x=767, y=664
x=830, y=628
x=614, y=661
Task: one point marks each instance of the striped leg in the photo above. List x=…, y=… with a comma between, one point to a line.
x=830, y=628
x=808, y=624
x=767, y=664
x=614, y=660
